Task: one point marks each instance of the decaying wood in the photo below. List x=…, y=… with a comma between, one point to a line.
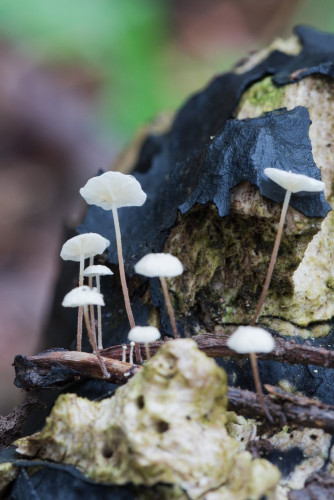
x=216, y=346
x=51, y=367
x=10, y=425
x=319, y=486
x=285, y=408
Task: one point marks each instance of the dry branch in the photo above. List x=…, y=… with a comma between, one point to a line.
x=215, y=346
x=285, y=408
x=52, y=368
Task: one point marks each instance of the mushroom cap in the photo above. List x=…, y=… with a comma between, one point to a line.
x=154, y=265
x=88, y=245
x=144, y=334
x=248, y=339
x=97, y=270
x=294, y=182
x=113, y=190
x=83, y=296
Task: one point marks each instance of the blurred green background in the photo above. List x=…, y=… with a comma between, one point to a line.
x=150, y=54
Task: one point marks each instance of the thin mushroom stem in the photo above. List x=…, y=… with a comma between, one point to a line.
x=258, y=385
x=99, y=317
x=147, y=351
x=252, y=356
x=123, y=279
x=272, y=259
x=121, y=269
x=91, y=306
x=169, y=306
x=93, y=343
x=132, y=345
x=80, y=309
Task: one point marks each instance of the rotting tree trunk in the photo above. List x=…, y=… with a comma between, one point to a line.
x=210, y=205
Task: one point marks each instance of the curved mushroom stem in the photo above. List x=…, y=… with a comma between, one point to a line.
x=99, y=317
x=124, y=348
x=123, y=279
x=80, y=309
x=121, y=269
x=93, y=343
x=252, y=356
x=258, y=385
x=272, y=259
x=91, y=306
x=169, y=306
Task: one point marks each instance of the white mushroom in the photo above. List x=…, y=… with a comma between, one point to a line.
x=250, y=340
x=110, y=191
x=91, y=272
x=162, y=266
x=78, y=249
x=145, y=334
x=293, y=183
x=247, y=339
x=83, y=296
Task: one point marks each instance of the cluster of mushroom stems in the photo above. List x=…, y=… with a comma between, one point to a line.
x=113, y=190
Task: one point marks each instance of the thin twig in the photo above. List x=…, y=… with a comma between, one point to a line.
x=214, y=345
x=284, y=408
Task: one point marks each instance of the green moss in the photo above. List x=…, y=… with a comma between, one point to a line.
x=264, y=96
x=226, y=260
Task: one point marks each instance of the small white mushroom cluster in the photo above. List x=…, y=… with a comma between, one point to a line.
x=109, y=191
x=79, y=248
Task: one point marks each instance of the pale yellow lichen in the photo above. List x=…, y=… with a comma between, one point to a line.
x=166, y=425
x=8, y=473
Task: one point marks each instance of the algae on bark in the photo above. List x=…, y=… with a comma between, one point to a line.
x=166, y=425
x=226, y=258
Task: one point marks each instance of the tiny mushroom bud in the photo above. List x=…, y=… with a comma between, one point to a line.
x=144, y=334
x=162, y=266
x=83, y=296
x=110, y=191
x=132, y=345
x=124, y=348
x=293, y=183
x=78, y=249
x=250, y=340
x=97, y=271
